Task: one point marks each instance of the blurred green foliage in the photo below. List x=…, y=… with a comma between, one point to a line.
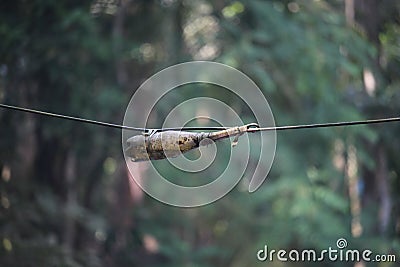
x=66, y=199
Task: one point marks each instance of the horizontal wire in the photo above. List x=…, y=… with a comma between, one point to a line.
x=324, y=125
x=60, y=116
x=252, y=129
x=106, y=124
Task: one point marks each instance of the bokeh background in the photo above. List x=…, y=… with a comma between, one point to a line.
x=66, y=196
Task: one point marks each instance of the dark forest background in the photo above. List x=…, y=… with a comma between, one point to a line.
x=65, y=195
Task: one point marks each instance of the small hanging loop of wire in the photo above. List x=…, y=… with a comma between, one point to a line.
x=252, y=127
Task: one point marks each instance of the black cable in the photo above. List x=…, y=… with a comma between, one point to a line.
x=323, y=125
x=106, y=124
x=252, y=129
x=60, y=116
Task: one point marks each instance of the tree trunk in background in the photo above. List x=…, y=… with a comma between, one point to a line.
x=382, y=183
x=26, y=146
x=25, y=127
x=352, y=175
x=349, y=12
x=121, y=207
x=369, y=16
x=117, y=35
x=173, y=33
x=70, y=202
x=120, y=199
